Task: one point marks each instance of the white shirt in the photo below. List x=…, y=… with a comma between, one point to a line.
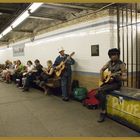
x=30, y=68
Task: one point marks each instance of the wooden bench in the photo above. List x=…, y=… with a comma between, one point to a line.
x=124, y=106
x=53, y=83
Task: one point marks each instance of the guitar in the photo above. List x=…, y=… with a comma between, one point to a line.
x=61, y=66
x=108, y=76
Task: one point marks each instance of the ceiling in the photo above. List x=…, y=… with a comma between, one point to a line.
x=8, y=12
x=46, y=16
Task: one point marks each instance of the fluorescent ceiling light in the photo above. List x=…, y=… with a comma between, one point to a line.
x=26, y=14
x=6, y=31
x=34, y=7
x=20, y=19
x=1, y=35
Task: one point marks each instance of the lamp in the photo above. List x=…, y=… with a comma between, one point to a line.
x=6, y=31
x=20, y=19
x=1, y=36
x=34, y=7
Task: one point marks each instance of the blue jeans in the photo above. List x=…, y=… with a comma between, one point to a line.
x=66, y=86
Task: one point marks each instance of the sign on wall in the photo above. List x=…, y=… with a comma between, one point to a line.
x=18, y=50
x=94, y=50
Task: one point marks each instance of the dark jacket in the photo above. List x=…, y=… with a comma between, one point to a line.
x=67, y=71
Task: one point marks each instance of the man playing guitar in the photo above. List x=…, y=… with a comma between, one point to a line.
x=66, y=74
x=114, y=65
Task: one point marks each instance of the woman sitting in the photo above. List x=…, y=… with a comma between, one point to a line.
x=9, y=73
x=5, y=70
x=18, y=73
x=45, y=75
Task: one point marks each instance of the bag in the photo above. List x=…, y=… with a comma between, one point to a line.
x=91, y=101
x=80, y=93
x=75, y=84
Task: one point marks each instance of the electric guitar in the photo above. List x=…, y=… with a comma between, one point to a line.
x=108, y=76
x=61, y=66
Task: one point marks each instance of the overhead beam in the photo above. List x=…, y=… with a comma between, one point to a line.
x=62, y=6
x=41, y=18
x=6, y=11
x=23, y=31
x=7, y=8
x=4, y=41
x=69, y=6
x=53, y=17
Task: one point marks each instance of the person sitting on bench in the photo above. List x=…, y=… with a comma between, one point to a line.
x=45, y=75
x=35, y=74
x=27, y=72
x=115, y=65
x=10, y=72
x=5, y=70
x=18, y=72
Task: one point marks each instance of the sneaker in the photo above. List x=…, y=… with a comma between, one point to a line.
x=25, y=89
x=65, y=99
x=21, y=87
x=46, y=92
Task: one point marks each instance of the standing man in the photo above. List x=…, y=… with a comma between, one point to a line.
x=114, y=65
x=66, y=74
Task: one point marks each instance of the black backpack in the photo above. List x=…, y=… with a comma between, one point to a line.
x=75, y=84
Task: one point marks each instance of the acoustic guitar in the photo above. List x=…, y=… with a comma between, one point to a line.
x=61, y=66
x=108, y=76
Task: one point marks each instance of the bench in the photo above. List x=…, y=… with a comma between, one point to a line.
x=53, y=83
x=124, y=107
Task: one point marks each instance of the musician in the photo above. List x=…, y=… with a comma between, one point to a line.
x=114, y=65
x=67, y=73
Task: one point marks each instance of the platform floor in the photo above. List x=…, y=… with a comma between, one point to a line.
x=34, y=114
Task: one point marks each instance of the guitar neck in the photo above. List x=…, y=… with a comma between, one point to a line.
x=69, y=57
x=66, y=59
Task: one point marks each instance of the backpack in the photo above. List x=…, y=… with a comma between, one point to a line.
x=91, y=102
x=80, y=93
x=75, y=84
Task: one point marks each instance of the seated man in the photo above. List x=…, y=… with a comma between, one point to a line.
x=45, y=75
x=115, y=65
x=34, y=75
